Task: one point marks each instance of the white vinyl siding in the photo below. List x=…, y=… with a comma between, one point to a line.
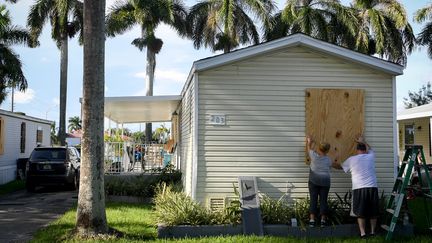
x=421, y=135
x=263, y=99
x=12, y=142
x=186, y=137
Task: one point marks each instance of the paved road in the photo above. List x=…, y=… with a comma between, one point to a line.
x=23, y=213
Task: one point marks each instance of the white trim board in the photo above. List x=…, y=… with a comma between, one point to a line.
x=195, y=140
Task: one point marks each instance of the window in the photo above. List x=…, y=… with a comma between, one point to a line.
x=39, y=136
x=409, y=134
x=1, y=135
x=23, y=137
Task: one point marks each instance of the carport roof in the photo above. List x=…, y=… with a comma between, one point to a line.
x=138, y=109
x=415, y=112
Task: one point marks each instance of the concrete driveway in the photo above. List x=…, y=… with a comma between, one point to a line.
x=23, y=213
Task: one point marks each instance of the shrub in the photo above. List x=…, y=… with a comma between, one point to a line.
x=337, y=212
x=142, y=185
x=275, y=211
x=174, y=207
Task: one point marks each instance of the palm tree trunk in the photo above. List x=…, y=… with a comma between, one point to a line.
x=150, y=70
x=63, y=88
x=91, y=216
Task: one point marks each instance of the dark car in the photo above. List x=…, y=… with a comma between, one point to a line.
x=53, y=166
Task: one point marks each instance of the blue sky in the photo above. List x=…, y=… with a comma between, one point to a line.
x=125, y=66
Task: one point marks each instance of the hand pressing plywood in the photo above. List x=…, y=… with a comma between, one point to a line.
x=335, y=116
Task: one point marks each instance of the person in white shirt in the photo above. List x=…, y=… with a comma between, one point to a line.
x=365, y=200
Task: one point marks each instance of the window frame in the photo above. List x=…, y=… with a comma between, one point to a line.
x=2, y=135
x=23, y=137
x=412, y=132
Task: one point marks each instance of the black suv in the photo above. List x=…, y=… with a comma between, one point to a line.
x=53, y=166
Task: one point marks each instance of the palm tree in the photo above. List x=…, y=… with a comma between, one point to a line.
x=11, y=74
x=148, y=14
x=74, y=123
x=65, y=17
x=161, y=134
x=224, y=25
x=424, y=38
x=321, y=19
x=385, y=22
x=91, y=215
x=53, y=133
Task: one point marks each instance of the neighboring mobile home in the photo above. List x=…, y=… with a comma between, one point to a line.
x=246, y=113
x=74, y=138
x=414, y=127
x=19, y=135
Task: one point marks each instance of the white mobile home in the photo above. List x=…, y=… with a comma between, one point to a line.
x=246, y=113
x=19, y=135
x=415, y=128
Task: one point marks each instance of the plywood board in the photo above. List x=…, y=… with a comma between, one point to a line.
x=335, y=116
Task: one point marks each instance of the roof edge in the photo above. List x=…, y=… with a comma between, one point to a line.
x=25, y=117
x=295, y=40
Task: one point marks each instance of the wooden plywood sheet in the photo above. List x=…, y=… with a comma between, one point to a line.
x=335, y=116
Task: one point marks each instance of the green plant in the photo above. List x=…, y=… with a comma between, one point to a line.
x=142, y=185
x=275, y=211
x=337, y=213
x=301, y=211
x=231, y=214
x=176, y=208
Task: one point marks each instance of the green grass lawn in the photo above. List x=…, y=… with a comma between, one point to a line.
x=11, y=187
x=138, y=224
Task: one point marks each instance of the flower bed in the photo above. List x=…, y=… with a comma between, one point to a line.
x=180, y=216
x=343, y=230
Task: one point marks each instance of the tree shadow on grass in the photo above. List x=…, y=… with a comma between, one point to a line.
x=117, y=205
x=136, y=231
x=55, y=232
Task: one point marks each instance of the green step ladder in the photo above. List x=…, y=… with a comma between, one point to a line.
x=413, y=159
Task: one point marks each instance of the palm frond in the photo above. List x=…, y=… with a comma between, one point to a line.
x=279, y=28
x=395, y=11
x=12, y=35
x=178, y=21
x=120, y=18
x=37, y=17
x=423, y=14
x=11, y=73
x=245, y=27
x=424, y=38
x=377, y=21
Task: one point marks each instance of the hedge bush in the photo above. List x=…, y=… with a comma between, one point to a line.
x=141, y=185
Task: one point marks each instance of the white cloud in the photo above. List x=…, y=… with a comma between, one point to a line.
x=24, y=97
x=166, y=74
x=56, y=101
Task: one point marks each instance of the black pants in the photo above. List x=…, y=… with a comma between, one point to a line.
x=314, y=192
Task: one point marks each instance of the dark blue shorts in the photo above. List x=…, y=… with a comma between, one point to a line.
x=365, y=203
